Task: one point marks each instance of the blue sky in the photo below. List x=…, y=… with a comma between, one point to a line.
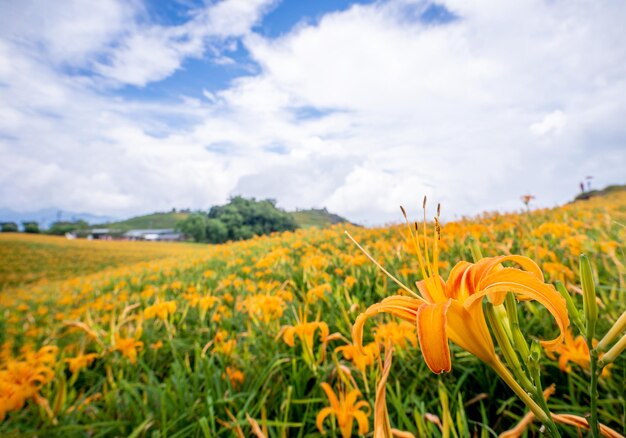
x=198, y=74
x=122, y=107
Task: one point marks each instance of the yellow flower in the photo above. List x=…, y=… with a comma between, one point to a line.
x=205, y=303
x=223, y=345
x=21, y=380
x=318, y=292
x=345, y=409
x=235, y=376
x=160, y=310
x=305, y=331
x=264, y=307
x=128, y=347
x=452, y=310
x=574, y=350
x=79, y=362
x=399, y=334
x=361, y=357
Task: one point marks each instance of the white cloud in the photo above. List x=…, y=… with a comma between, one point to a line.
x=151, y=53
x=368, y=109
x=552, y=123
x=65, y=33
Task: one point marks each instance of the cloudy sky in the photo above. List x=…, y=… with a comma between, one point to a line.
x=120, y=107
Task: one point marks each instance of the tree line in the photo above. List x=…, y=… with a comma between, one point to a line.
x=240, y=219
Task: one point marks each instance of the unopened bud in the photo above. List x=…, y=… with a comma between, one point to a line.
x=618, y=327
x=613, y=353
x=476, y=253
x=574, y=314
x=589, y=297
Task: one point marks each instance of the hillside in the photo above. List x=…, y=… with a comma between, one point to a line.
x=320, y=218
x=147, y=222
x=605, y=191
x=37, y=259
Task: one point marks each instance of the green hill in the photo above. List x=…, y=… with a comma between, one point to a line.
x=148, y=222
x=317, y=218
x=305, y=218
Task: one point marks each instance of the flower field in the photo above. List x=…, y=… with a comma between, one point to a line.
x=33, y=258
x=302, y=334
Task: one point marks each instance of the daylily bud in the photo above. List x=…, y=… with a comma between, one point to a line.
x=589, y=297
x=613, y=353
x=476, y=253
x=617, y=328
x=574, y=314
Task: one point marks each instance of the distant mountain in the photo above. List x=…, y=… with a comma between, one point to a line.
x=45, y=217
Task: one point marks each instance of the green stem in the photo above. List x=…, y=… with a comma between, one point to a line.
x=593, y=392
x=507, y=349
x=543, y=416
x=536, y=376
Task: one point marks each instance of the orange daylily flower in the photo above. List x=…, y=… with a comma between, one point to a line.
x=79, y=362
x=345, y=409
x=21, y=380
x=128, y=347
x=305, y=331
x=452, y=309
x=361, y=357
x=160, y=310
x=574, y=350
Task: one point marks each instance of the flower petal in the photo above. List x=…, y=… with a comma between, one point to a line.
x=361, y=419
x=468, y=329
x=325, y=412
x=332, y=398
x=529, y=286
x=433, y=338
x=397, y=305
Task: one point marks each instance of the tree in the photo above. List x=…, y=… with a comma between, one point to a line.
x=31, y=227
x=240, y=219
x=195, y=225
x=216, y=231
x=8, y=227
x=60, y=228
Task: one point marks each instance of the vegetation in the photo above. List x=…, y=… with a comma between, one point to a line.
x=238, y=220
x=8, y=227
x=255, y=338
x=27, y=259
x=31, y=227
x=61, y=228
x=314, y=217
x=148, y=221
x=605, y=191
x=196, y=223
